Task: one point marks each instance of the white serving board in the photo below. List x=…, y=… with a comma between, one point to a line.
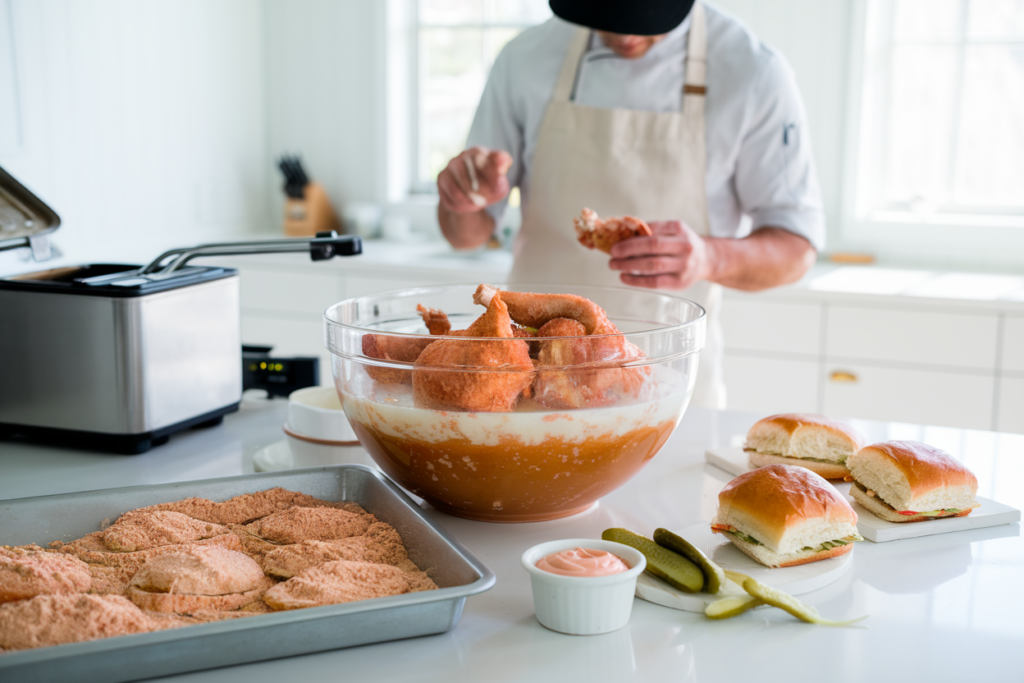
x=991, y=513
x=793, y=580
x=733, y=460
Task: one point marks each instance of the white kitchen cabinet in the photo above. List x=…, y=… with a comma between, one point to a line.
x=767, y=384
x=943, y=339
x=1012, y=344
x=289, y=291
x=751, y=324
x=363, y=283
x=1010, y=413
x=922, y=396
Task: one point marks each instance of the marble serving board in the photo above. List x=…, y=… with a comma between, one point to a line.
x=991, y=513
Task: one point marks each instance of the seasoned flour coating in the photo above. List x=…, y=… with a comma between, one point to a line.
x=251, y=506
x=380, y=545
x=57, y=619
x=31, y=571
x=310, y=524
x=147, y=529
x=337, y=582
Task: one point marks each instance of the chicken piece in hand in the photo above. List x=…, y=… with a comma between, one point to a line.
x=594, y=233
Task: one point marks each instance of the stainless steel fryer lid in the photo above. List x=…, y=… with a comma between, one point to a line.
x=25, y=220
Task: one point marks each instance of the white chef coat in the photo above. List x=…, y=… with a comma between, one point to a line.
x=759, y=159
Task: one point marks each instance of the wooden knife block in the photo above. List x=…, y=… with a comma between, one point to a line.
x=312, y=214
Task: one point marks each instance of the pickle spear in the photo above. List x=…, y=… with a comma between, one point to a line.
x=736, y=576
x=777, y=598
x=713, y=574
x=731, y=607
x=668, y=566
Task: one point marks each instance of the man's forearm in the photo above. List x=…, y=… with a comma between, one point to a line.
x=766, y=258
x=465, y=230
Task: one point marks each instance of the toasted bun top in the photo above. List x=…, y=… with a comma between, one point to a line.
x=802, y=435
x=925, y=467
x=777, y=503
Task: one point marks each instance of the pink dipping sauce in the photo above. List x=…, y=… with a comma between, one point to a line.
x=582, y=562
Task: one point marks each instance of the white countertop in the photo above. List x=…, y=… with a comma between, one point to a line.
x=942, y=608
x=825, y=281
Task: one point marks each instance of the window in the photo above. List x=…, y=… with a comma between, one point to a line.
x=456, y=44
x=939, y=126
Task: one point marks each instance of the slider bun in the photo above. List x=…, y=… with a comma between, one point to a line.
x=914, y=476
x=825, y=469
x=883, y=511
x=769, y=558
x=799, y=435
x=786, y=508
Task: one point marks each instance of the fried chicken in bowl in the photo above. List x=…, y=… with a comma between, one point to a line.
x=514, y=403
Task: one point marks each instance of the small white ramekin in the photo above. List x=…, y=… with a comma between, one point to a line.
x=316, y=412
x=578, y=605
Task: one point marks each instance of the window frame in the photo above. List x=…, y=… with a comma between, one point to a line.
x=416, y=185
x=994, y=238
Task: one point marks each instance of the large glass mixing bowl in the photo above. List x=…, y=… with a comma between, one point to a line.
x=513, y=430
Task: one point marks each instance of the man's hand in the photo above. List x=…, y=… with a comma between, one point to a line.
x=474, y=179
x=674, y=257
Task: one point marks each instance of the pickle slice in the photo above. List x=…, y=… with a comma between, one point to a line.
x=736, y=576
x=674, y=569
x=777, y=598
x=731, y=607
x=713, y=574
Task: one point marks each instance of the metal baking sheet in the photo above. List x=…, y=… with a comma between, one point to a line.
x=454, y=569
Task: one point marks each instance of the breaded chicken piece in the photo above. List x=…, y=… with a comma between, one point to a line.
x=199, y=570
x=594, y=233
x=418, y=579
x=337, y=582
x=499, y=369
x=250, y=506
x=129, y=563
x=194, y=578
x=310, y=524
x=30, y=571
x=57, y=619
x=380, y=545
x=147, y=529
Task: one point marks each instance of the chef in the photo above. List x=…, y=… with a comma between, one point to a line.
x=662, y=109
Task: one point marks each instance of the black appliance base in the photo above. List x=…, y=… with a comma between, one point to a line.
x=124, y=444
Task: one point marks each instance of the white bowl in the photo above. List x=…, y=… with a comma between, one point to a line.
x=316, y=413
x=580, y=605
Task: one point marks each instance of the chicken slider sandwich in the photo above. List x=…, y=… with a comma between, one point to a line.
x=812, y=441
x=783, y=516
x=906, y=481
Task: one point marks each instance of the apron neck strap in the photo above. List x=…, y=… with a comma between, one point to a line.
x=571, y=65
x=695, y=81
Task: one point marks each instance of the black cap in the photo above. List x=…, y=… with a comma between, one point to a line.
x=629, y=17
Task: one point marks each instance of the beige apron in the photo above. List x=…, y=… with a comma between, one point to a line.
x=620, y=161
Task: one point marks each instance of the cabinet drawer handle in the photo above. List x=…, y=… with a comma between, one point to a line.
x=843, y=376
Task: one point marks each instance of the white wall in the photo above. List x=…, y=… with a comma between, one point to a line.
x=141, y=120
x=325, y=85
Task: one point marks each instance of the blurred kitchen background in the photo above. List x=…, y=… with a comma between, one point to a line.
x=150, y=124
